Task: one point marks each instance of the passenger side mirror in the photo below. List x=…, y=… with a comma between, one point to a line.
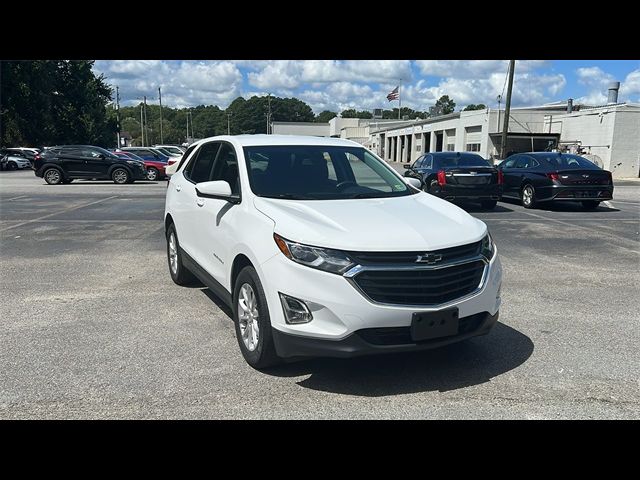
x=414, y=182
x=218, y=189
x=406, y=167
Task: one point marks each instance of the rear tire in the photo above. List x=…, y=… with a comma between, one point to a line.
x=52, y=176
x=590, y=204
x=153, y=174
x=120, y=176
x=489, y=204
x=252, y=321
x=179, y=273
x=528, y=196
x=12, y=166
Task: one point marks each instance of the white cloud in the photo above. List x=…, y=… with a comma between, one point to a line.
x=183, y=83
x=474, y=68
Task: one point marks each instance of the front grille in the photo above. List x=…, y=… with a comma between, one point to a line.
x=448, y=255
x=421, y=286
x=402, y=335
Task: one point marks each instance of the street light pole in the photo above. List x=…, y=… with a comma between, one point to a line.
x=146, y=125
x=141, y=126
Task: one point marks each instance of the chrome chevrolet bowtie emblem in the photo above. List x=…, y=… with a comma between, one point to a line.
x=429, y=258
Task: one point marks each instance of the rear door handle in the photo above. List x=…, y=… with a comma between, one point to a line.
x=200, y=202
x=178, y=188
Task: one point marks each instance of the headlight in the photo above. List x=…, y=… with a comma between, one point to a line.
x=488, y=248
x=333, y=261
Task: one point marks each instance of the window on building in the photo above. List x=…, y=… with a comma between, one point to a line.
x=473, y=147
x=451, y=147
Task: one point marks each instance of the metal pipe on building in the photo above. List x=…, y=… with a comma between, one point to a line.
x=614, y=87
x=570, y=105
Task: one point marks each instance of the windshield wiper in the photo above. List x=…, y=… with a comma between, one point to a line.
x=288, y=196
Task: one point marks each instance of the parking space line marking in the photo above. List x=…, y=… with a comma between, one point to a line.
x=58, y=213
x=16, y=198
x=96, y=221
x=575, y=220
x=619, y=201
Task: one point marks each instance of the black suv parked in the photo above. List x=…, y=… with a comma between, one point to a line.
x=65, y=163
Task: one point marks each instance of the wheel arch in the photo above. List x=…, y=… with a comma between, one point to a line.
x=239, y=262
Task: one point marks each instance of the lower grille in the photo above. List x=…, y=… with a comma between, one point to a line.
x=421, y=287
x=402, y=335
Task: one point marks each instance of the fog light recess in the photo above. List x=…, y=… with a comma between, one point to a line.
x=295, y=311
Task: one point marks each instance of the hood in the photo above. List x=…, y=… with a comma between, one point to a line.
x=410, y=223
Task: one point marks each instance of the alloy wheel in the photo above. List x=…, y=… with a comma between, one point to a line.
x=173, y=254
x=248, y=317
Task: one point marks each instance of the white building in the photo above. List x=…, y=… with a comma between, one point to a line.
x=610, y=133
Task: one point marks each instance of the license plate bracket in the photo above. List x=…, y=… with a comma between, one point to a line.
x=430, y=325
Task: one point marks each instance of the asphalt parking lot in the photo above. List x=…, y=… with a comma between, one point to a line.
x=93, y=326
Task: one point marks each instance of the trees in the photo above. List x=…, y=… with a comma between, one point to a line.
x=405, y=111
x=325, y=116
x=353, y=113
x=473, y=106
x=47, y=102
x=446, y=104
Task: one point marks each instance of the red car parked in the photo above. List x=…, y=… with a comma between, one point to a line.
x=155, y=170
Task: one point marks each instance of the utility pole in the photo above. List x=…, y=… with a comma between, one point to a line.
x=193, y=132
x=187, y=140
x=268, y=114
x=141, y=126
x=160, y=99
x=118, y=116
x=146, y=125
x=499, y=103
x=507, y=110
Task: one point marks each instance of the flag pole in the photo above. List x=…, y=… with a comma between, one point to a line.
x=399, y=99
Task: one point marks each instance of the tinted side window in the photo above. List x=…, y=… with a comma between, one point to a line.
x=428, y=162
x=199, y=169
x=226, y=168
x=510, y=163
x=185, y=155
x=418, y=162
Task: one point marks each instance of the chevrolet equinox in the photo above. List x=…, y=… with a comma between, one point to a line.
x=321, y=249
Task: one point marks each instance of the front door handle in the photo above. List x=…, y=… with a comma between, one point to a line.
x=178, y=188
x=200, y=202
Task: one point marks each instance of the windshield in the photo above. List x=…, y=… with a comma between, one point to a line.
x=461, y=161
x=315, y=172
x=568, y=162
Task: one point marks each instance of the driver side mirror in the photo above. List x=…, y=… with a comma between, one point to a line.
x=218, y=189
x=101, y=156
x=407, y=167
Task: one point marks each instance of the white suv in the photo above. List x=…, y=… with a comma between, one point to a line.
x=321, y=249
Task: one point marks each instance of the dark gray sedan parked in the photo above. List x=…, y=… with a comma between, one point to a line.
x=547, y=176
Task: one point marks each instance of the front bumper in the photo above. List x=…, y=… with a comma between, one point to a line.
x=340, y=310
x=375, y=341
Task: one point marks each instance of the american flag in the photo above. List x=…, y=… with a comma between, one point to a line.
x=394, y=95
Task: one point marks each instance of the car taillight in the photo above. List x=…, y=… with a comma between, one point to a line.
x=500, y=177
x=553, y=176
x=171, y=162
x=442, y=180
x=37, y=157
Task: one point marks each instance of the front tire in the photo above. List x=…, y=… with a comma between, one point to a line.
x=179, y=273
x=120, y=176
x=528, y=196
x=252, y=321
x=12, y=166
x=590, y=204
x=52, y=176
x=489, y=204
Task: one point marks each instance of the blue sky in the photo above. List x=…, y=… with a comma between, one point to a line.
x=363, y=84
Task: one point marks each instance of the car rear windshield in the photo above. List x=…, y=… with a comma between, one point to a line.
x=461, y=161
x=568, y=162
x=314, y=172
